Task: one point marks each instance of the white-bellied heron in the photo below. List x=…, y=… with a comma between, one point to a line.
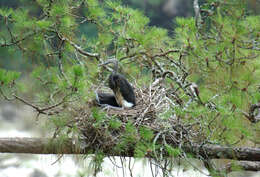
x=123, y=91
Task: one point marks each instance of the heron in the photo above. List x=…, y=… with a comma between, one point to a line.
x=123, y=91
x=106, y=99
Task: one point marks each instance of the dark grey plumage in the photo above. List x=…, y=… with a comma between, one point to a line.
x=118, y=82
x=106, y=99
x=123, y=91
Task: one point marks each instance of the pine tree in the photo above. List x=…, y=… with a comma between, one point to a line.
x=204, y=78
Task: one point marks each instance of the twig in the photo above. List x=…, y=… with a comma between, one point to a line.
x=15, y=42
x=79, y=49
x=5, y=97
x=60, y=156
x=166, y=53
x=37, y=108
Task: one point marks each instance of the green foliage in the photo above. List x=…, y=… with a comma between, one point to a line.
x=44, y=24
x=146, y=134
x=60, y=121
x=128, y=139
x=23, y=20
x=144, y=146
x=142, y=149
x=130, y=132
x=5, y=12
x=78, y=71
x=59, y=9
x=60, y=141
x=6, y=77
x=98, y=116
x=43, y=3
x=94, y=10
x=115, y=124
x=97, y=161
x=174, y=152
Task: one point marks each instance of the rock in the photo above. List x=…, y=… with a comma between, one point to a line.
x=38, y=173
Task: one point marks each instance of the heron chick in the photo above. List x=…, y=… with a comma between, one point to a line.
x=106, y=99
x=123, y=91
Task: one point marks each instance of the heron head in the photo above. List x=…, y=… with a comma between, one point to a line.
x=113, y=61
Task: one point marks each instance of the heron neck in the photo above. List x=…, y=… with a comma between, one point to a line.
x=115, y=68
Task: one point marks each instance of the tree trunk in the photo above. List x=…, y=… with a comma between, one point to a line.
x=242, y=165
x=224, y=152
x=54, y=146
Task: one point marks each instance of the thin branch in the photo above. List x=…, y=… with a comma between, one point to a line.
x=28, y=103
x=15, y=42
x=166, y=53
x=79, y=49
x=38, y=109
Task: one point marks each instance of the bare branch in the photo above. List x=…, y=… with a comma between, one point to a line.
x=27, y=103
x=38, y=109
x=79, y=49
x=35, y=146
x=54, y=146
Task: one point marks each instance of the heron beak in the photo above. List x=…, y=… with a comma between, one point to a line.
x=102, y=64
x=107, y=62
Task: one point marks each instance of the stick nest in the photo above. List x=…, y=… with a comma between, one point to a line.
x=152, y=103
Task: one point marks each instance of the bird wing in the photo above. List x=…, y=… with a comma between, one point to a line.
x=106, y=99
x=126, y=89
